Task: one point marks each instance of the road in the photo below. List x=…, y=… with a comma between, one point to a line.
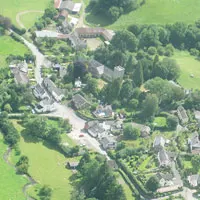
x=63, y=111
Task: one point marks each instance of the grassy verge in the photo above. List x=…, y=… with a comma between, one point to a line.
x=11, y=184
x=47, y=167
x=10, y=46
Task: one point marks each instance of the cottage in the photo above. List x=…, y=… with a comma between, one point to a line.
x=94, y=128
x=194, y=143
x=163, y=158
x=194, y=180
x=72, y=164
x=19, y=70
x=103, y=111
x=159, y=143
x=144, y=130
x=108, y=142
x=79, y=102
x=182, y=114
x=39, y=92
x=56, y=93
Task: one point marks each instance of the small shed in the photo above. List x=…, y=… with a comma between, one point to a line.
x=72, y=164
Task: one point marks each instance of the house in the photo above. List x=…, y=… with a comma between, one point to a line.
x=88, y=32
x=159, y=143
x=163, y=158
x=98, y=70
x=144, y=130
x=57, y=3
x=108, y=142
x=79, y=102
x=19, y=70
x=194, y=143
x=72, y=164
x=94, y=128
x=56, y=93
x=194, y=180
x=66, y=27
x=39, y=92
x=103, y=111
x=182, y=114
x=76, y=42
x=70, y=6
x=46, y=105
x=78, y=83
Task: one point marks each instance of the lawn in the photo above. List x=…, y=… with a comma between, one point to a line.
x=29, y=19
x=47, y=166
x=161, y=12
x=10, y=46
x=160, y=122
x=189, y=65
x=11, y=184
x=10, y=8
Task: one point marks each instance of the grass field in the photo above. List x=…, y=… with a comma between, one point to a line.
x=29, y=19
x=10, y=46
x=10, y=8
x=47, y=166
x=11, y=184
x=189, y=65
x=155, y=11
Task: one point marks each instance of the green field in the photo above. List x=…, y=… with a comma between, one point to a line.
x=47, y=167
x=189, y=65
x=10, y=8
x=29, y=19
x=155, y=11
x=11, y=184
x=10, y=46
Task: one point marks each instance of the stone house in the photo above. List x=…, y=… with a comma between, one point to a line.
x=182, y=115
x=79, y=102
x=159, y=143
x=194, y=143
x=108, y=142
x=144, y=130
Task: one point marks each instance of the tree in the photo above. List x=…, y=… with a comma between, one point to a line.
x=152, y=184
x=22, y=165
x=130, y=132
x=138, y=76
x=150, y=106
x=114, y=12
x=172, y=122
x=126, y=90
x=92, y=86
x=196, y=163
x=8, y=108
x=125, y=40
x=45, y=193
x=152, y=50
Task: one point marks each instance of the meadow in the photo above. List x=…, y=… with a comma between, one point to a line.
x=10, y=8
x=11, y=184
x=10, y=46
x=154, y=12
x=189, y=65
x=47, y=166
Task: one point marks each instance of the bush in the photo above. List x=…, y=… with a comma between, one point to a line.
x=18, y=30
x=152, y=50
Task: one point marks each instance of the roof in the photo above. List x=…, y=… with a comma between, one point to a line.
x=194, y=140
x=76, y=41
x=71, y=6
x=46, y=33
x=39, y=89
x=79, y=101
x=20, y=77
x=73, y=164
x=159, y=141
x=141, y=127
x=21, y=65
x=64, y=13
x=95, y=129
x=49, y=84
x=194, y=180
x=163, y=157
x=182, y=113
x=108, y=35
x=166, y=177
x=197, y=114
x=57, y=3
x=103, y=111
x=107, y=140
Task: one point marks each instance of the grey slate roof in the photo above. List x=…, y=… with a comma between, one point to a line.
x=182, y=114
x=163, y=158
x=159, y=141
x=79, y=101
x=20, y=77
x=194, y=141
